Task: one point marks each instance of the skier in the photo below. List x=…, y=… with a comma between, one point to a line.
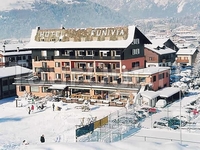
x=32, y=107
x=42, y=139
x=29, y=110
x=53, y=105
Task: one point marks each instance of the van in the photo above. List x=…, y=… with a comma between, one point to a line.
x=161, y=103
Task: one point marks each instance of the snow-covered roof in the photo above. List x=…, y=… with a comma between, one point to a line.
x=160, y=51
x=14, y=70
x=147, y=71
x=159, y=42
x=168, y=91
x=188, y=51
x=58, y=87
x=14, y=46
x=17, y=53
x=150, y=94
x=33, y=44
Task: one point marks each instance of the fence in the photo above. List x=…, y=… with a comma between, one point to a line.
x=114, y=127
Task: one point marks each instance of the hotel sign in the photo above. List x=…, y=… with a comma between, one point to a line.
x=88, y=34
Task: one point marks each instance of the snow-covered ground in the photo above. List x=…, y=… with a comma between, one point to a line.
x=17, y=125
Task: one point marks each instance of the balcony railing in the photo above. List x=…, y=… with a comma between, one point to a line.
x=182, y=61
x=108, y=70
x=75, y=83
x=82, y=69
x=67, y=68
x=46, y=69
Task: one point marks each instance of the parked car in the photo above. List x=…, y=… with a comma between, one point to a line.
x=176, y=122
x=184, y=118
x=164, y=125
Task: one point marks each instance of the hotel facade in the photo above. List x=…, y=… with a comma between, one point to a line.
x=91, y=61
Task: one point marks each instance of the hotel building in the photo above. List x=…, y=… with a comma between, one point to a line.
x=90, y=61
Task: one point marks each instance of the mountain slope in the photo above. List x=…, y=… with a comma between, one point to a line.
x=137, y=9
x=80, y=13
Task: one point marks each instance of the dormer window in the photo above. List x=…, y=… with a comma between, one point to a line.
x=81, y=53
x=67, y=52
x=89, y=53
x=135, y=51
x=117, y=53
x=104, y=52
x=136, y=41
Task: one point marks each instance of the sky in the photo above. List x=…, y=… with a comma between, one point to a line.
x=17, y=125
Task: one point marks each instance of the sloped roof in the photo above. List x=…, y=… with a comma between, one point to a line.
x=14, y=70
x=33, y=44
x=186, y=51
x=160, y=51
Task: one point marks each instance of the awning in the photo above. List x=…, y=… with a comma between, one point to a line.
x=168, y=91
x=57, y=87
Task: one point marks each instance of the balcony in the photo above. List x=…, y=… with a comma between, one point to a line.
x=91, y=84
x=182, y=61
x=46, y=69
x=45, y=58
x=108, y=70
x=82, y=69
x=88, y=57
x=66, y=68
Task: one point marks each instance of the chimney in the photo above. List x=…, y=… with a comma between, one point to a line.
x=4, y=48
x=38, y=27
x=17, y=48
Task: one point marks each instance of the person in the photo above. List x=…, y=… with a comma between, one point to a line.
x=32, y=107
x=53, y=105
x=42, y=139
x=25, y=142
x=29, y=110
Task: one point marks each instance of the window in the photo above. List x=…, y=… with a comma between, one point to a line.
x=12, y=80
x=34, y=89
x=56, y=52
x=58, y=76
x=136, y=41
x=135, y=51
x=115, y=78
x=57, y=64
x=161, y=76
x=104, y=52
x=24, y=57
x=117, y=65
x=167, y=74
x=64, y=64
x=117, y=53
x=142, y=79
x=127, y=79
x=81, y=53
x=89, y=53
x=135, y=64
x=150, y=58
x=154, y=78
x=19, y=58
x=43, y=53
x=67, y=75
x=87, y=77
x=22, y=88
x=67, y=52
x=5, y=82
x=44, y=64
x=44, y=89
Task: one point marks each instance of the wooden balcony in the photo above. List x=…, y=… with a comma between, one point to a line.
x=182, y=61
